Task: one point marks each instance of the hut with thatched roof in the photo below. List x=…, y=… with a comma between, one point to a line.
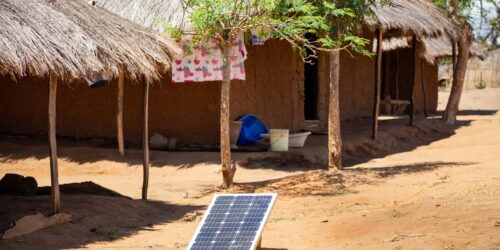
x=404, y=79
x=50, y=46
x=437, y=48
x=283, y=95
x=481, y=72
x=481, y=69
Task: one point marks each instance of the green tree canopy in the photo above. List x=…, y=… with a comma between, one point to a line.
x=334, y=23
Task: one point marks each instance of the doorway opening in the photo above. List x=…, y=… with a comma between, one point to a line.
x=311, y=88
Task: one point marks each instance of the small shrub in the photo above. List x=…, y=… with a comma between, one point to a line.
x=481, y=85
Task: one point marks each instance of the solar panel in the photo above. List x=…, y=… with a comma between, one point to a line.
x=233, y=221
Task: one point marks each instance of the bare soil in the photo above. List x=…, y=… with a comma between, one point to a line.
x=429, y=187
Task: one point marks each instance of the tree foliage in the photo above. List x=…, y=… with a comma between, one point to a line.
x=463, y=12
x=334, y=23
x=492, y=35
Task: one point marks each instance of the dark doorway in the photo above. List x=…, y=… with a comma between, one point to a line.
x=311, y=85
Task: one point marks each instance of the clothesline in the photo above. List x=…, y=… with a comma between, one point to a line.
x=203, y=63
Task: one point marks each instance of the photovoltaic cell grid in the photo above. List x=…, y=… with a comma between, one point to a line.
x=233, y=222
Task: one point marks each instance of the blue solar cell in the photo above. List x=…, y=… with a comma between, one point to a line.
x=233, y=222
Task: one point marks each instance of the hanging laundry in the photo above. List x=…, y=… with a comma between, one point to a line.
x=260, y=35
x=204, y=62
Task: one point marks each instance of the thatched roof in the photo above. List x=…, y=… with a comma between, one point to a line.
x=441, y=47
x=400, y=18
x=72, y=38
x=393, y=43
x=411, y=17
x=431, y=49
x=149, y=13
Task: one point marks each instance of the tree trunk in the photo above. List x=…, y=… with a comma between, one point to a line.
x=54, y=175
x=145, y=142
x=334, y=139
x=464, y=42
x=225, y=147
x=453, y=60
x=119, y=114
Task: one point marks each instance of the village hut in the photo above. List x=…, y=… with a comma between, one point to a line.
x=437, y=48
x=396, y=71
x=289, y=95
x=400, y=19
x=484, y=73
x=481, y=69
x=47, y=45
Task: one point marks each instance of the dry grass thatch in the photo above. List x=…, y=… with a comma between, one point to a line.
x=431, y=49
x=393, y=43
x=73, y=38
x=441, y=47
x=411, y=17
x=400, y=18
x=149, y=13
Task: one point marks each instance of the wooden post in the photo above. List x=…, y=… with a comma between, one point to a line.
x=119, y=114
x=145, y=142
x=424, y=88
x=54, y=175
x=259, y=244
x=412, y=79
x=397, y=76
x=378, y=83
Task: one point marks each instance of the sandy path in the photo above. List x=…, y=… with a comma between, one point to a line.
x=444, y=195
x=453, y=206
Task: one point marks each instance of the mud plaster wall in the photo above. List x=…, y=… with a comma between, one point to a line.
x=273, y=91
x=356, y=84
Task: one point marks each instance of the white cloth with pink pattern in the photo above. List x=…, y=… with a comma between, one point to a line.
x=204, y=62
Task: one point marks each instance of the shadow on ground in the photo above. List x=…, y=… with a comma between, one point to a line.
x=395, y=136
x=384, y=172
x=470, y=112
x=95, y=218
x=332, y=183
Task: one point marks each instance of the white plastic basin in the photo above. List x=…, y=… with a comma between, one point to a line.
x=296, y=140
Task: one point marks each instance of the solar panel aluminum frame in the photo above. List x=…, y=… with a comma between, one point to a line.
x=261, y=227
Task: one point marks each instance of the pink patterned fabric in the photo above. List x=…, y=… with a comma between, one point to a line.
x=204, y=62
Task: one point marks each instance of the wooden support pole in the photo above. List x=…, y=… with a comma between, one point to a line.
x=424, y=88
x=119, y=114
x=412, y=79
x=259, y=244
x=397, y=76
x=378, y=83
x=54, y=175
x=145, y=143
